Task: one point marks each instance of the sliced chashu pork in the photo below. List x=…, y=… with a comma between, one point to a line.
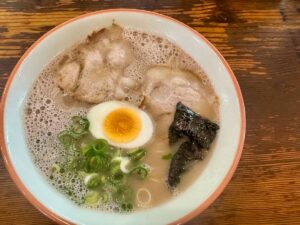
x=165, y=86
x=68, y=75
x=90, y=71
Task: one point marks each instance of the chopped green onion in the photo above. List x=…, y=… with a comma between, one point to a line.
x=95, y=163
x=100, y=146
x=117, y=179
x=117, y=153
x=80, y=124
x=78, y=128
x=80, y=120
x=167, y=156
x=115, y=168
x=140, y=171
x=137, y=154
x=122, y=194
x=103, y=196
x=87, y=150
x=55, y=168
x=76, y=135
x=92, y=198
x=76, y=163
x=103, y=168
x=92, y=180
x=121, y=164
x=82, y=174
x=125, y=164
x=126, y=207
x=116, y=160
x=65, y=139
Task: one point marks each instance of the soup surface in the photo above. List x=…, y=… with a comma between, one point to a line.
x=158, y=75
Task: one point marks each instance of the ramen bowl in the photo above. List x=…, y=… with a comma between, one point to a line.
x=204, y=190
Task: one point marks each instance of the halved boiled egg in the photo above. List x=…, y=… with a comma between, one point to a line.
x=121, y=124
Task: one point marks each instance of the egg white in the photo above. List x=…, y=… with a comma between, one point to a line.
x=98, y=113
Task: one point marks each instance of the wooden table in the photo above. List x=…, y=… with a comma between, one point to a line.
x=261, y=42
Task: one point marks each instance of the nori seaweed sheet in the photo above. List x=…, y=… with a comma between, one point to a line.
x=200, y=132
x=188, y=123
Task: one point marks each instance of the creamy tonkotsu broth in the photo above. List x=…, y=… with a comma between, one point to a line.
x=160, y=71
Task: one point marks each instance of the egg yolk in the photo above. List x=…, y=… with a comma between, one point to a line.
x=122, y=125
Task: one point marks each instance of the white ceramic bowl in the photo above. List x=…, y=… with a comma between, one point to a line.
x=198, y=196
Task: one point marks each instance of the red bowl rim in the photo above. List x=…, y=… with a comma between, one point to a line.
x=183, y=219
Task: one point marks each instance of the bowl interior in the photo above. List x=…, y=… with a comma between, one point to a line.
x=227, y=146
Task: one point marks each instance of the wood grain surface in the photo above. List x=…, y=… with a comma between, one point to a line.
x=260, y=40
